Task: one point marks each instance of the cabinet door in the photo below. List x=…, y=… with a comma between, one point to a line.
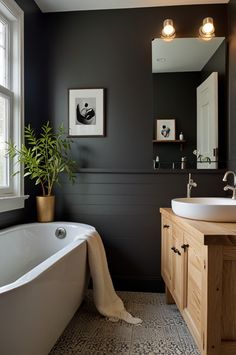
x=166, y=252
x=177, y=266
x=194, y=265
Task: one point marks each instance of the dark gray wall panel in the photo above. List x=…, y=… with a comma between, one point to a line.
x=125, y=210
x=112, y=50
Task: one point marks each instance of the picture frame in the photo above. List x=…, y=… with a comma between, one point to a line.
x=165, y=129
x=86, y=113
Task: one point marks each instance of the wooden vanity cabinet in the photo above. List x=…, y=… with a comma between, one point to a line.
x=199, y=269
x=192, y=285
x=166, y=252
x=172, y=261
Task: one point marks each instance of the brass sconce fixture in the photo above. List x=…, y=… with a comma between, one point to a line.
x=168, y=31
x=207, y=30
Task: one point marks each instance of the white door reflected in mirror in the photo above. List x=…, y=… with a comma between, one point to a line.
x=207, y=121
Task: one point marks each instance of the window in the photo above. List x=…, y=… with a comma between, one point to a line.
x=11, y=100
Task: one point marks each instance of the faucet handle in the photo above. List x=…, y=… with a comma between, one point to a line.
x=191, y=181
x=189, y=177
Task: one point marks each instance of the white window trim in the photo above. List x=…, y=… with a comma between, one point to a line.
x=16, y=199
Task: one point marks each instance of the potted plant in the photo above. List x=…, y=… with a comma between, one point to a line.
x=44, y=157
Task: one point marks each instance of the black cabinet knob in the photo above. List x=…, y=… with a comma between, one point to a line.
x=166, y=226
x=185, y=246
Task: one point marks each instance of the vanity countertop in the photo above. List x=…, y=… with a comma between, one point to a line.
x=208, y=233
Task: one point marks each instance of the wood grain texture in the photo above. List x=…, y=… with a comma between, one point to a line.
x=209, y=233
x=178, y=266
x=194, y=265
x=166, y=252
x=207, y=285
x=229, y=253
x=169, y=297
x=228, y=348
x=229, y=300
x=211, y=300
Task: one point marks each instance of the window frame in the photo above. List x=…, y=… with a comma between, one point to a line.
x=13, y=197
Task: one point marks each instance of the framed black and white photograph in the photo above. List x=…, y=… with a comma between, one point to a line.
x=165, y=129
x=86, y=112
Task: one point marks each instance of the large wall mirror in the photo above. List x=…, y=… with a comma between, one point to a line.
x=189, y=103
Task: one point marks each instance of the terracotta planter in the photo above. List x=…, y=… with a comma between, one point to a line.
x=45, y=208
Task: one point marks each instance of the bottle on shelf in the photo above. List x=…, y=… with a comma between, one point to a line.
x=183, y=162
x=181, y=136
x=157, y=162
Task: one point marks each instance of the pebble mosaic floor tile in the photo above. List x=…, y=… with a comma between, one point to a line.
x=163, y=330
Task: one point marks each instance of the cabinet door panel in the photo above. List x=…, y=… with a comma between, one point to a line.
x=193, y=283
x=177, y=266
x=166, y=252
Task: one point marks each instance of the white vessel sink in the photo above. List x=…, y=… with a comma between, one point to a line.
x=215, y=209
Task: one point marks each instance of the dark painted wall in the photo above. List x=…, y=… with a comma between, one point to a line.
x=174, y=96
x=112, y=50
x=124, y=207
x=232, y=83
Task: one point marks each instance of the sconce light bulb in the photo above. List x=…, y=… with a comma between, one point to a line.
x=208, y=27
x=207, y=30
x=168, y=30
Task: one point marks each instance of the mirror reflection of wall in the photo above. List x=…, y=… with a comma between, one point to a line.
x=179, y=67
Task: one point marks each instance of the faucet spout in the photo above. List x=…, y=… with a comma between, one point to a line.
x=228, y=187
x=191, y=183
x=230, y=172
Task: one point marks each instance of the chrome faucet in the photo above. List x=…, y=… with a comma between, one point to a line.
x=190, y=184
x=228, y=187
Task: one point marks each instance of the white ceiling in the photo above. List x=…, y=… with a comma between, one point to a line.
x=76, y=5
x=182, y=54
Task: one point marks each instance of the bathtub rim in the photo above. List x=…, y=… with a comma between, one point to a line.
x=50, y=262
x=20, y=226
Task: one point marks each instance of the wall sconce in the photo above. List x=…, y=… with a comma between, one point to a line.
x=207, y=30
x=168, y=31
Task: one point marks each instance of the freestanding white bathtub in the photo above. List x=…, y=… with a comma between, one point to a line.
x=42, y=284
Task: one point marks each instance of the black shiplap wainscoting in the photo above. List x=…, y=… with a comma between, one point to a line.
x=124, y=208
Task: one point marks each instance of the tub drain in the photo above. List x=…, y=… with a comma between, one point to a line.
x=60, y=233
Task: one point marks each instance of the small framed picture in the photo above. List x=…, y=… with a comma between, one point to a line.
x=86, y=112
x=165, y=129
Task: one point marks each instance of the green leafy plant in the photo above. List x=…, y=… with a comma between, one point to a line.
x=45, y=156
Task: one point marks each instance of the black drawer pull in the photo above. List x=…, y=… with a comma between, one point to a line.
x=185, y=246
x=166, y=226
x=176, y=251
